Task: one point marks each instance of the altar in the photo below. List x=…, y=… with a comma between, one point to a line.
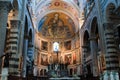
x=66, y=78
x=57, y=70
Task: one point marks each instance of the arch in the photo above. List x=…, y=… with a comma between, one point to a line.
x=94, y=33
x=15, y=4
x=41, y=72
x=94, y=27
x=86, y=44
x=45, y=72
x=16, y=9
x=26, y=26
x=30, y=35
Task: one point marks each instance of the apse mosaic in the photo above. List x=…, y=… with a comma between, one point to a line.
x=56, y=25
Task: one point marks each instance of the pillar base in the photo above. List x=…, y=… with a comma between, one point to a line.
x=4, y=74
x=83, y=77
x=109, y=75
x=11, y=77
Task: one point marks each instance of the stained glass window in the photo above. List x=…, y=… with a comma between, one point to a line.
x=55, y=46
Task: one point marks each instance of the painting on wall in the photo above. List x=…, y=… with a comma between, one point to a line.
x=44, y=59
x=74, y=58
x=44, y=45
x=68, y=59
x=67, y=45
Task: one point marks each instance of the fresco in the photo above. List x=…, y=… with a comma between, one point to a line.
x=58, y=4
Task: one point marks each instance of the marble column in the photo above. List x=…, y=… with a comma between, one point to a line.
x=94, y=53
x=4, y=75
x=4, y=10
x=25, y=55
x=30, y=55
x=111, y=55
x=13, y=43
x=84, y=69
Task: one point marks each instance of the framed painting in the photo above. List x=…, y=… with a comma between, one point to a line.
x=44, y=59
x=44, y=45
x=74, y=58
x=68, y=59
x=67, y=45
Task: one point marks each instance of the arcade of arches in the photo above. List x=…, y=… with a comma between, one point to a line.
x=60, y=39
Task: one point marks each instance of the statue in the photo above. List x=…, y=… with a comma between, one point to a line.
x=56, y=67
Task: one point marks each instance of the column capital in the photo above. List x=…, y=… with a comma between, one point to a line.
x=85, y=46
x=5, y=5
x=26, y=36
x=14, y=23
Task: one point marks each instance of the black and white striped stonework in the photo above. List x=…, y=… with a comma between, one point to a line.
x=12, y=47
x=111, y=51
